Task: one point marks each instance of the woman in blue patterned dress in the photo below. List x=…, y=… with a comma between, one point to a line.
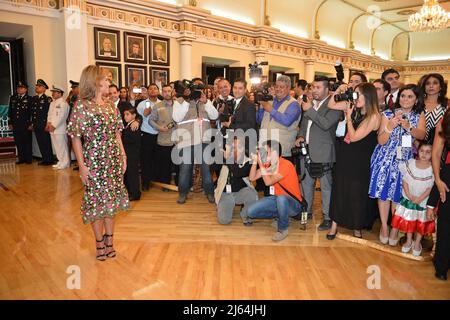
x=398, y=131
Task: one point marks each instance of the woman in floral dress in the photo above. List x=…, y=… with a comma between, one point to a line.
x=398, y=130
x=101, y=157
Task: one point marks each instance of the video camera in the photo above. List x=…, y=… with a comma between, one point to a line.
x=262, y=93
x=196, y=90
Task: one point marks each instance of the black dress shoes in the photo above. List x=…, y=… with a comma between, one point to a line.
x=134, y=198
x=325, y=225
x=20, y=162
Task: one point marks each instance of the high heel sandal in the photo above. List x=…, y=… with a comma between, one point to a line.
x=100, y=257
x=112, y=253
x=332, y=236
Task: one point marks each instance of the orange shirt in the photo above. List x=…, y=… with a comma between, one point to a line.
x=289, y=181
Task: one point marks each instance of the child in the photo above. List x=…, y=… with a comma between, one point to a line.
x=132, y=144
x=410, y=215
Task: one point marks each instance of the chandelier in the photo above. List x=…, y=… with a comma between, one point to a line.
x=430, y=18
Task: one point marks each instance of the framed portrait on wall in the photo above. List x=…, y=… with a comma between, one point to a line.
x=159, y=51
x=107, y=44
x=135, y=47
x=159, y=76
x=135, y=75
x=113, y=72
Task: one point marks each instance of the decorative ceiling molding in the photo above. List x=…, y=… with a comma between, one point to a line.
x=409, y=43
x=189, y=23
x=316, y=34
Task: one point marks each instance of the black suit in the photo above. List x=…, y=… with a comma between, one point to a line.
x=39, y=112
x=19, y=114
x=132, y=145
x=244, y=116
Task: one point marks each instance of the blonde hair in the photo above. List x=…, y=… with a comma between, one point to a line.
x=90, y=81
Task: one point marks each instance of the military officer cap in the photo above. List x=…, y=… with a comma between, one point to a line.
x=74, y=84
x=41, y=82
x=57, y=89
x=22, y=84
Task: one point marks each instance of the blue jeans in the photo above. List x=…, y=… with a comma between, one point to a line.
x=185, y=175
x=281, y=207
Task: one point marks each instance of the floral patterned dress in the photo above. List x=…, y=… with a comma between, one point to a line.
x=105, y=193
x=385, y=175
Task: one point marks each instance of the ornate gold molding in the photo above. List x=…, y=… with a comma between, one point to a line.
x=189, y=23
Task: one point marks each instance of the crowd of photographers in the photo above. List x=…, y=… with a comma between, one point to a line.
x=359, y=139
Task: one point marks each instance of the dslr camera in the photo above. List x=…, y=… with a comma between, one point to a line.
x=262, y=93
x=228, y=109
x=349, y=95
x=196, y=90
x=302, y=150
x=339, y=76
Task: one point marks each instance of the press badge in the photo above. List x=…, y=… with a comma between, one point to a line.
x=406, y=141
x=272, y=190
x=228, y=188
x=399, y=153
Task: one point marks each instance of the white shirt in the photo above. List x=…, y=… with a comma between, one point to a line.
x=57, y=115
x=316, y=107
x=394, y=96
x=180, y=110
x=146, y=127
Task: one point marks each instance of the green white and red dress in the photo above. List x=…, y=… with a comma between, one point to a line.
x=410, y=217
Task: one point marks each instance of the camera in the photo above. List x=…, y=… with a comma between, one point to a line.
x=228, y=109
x=196, y=90
x=302, y=150
x=349, y=95
x=339, y=76
x=262, y=93
x=170, y=125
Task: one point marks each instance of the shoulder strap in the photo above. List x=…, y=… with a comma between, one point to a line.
x=289, y=193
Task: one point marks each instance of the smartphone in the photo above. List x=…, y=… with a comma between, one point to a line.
x=137, y=90
x=147, y=104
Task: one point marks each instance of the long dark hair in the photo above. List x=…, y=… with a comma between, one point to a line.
x=369, y=92
x=417, y=108
x=442, y=97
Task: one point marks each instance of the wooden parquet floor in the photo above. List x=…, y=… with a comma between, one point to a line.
x=171, y=251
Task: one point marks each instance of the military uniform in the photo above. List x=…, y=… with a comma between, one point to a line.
x=39, y=112
x=19, y=114
x=57, y=117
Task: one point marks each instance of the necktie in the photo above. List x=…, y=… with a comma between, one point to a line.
x=391, y=101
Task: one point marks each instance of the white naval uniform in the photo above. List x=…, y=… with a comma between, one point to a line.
x=57, y=116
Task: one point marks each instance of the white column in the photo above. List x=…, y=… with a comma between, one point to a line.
x=74, y=24
x=309, y=71
x=186, y=59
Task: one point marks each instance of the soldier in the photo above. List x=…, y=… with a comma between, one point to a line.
x=73, y=97
x=56, y=125
x=19, y=115
x=39, y=111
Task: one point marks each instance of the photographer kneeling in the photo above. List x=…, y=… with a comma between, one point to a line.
x=233, y=185
x=285, y=197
